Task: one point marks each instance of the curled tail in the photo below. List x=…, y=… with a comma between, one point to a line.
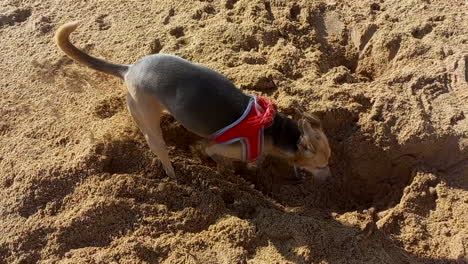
x=62, y=40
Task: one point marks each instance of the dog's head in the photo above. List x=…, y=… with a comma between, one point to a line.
x=313, y=148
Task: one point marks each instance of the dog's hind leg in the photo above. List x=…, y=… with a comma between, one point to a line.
x=147, y=112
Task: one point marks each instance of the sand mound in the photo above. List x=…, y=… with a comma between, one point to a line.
x=388, y=78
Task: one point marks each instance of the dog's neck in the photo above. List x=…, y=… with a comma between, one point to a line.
x=282, y=135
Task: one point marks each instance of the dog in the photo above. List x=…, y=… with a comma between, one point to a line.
x=240, y=126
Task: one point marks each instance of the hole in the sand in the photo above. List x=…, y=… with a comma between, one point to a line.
x=366, y=173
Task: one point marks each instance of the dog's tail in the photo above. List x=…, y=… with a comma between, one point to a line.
x=62, y=40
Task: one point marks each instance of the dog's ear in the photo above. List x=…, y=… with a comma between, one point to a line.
x=306, y=142
x=314, y=121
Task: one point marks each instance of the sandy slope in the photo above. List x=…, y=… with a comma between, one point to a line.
x=389, y=79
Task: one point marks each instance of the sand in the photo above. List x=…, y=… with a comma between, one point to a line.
x=389, y=79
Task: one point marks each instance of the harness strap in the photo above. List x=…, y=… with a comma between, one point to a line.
x=248, y=129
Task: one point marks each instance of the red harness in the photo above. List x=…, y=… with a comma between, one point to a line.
x=248, y=129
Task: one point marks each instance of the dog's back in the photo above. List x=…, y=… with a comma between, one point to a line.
x=201, y=99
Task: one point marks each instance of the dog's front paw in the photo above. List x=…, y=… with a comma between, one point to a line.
x=169, y=171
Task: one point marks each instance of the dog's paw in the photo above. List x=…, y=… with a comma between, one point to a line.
x=170, y=171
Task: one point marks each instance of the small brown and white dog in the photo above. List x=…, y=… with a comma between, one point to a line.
x=208, y=104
